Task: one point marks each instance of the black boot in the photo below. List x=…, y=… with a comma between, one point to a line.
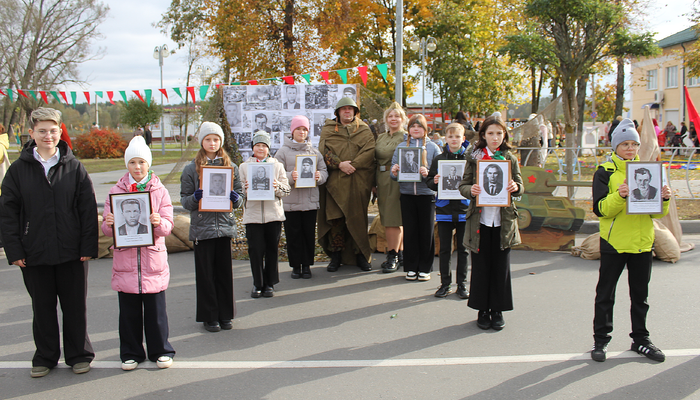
x=400, y=259
x=296, y=272
x=335, y=262
x=392, y=262
x=362, y=263
x=306, y=272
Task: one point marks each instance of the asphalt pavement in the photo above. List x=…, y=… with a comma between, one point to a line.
x=369, y=335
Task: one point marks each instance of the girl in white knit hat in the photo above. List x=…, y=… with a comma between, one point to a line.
x=140, y=275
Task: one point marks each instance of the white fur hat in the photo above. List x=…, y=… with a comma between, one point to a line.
x=138, y=148
x=210, y=128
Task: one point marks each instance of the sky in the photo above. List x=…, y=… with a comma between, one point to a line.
x=130, y=38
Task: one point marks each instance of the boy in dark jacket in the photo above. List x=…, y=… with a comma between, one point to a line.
x=450, y=214
x=48, y=219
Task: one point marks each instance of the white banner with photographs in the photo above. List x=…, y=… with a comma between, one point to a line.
x=250, y=108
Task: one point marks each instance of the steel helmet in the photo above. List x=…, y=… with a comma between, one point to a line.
x=346, y=101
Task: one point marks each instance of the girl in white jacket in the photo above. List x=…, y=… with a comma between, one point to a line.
x=263, y=219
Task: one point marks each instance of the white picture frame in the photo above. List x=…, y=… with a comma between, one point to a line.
x=409, y=164
x=260, y=177
x=132, y=224
x=216, y=183
x=305, y=165
x=645, y=180
x=451, y=172
x=493, y=177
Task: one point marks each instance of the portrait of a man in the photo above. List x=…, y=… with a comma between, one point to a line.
x=451, y=181
x=644, y=190
x=131, y=211
x=233, y=114
x=261, y=123
x=292, y=102
x=493, y=179
x=306, y=165
x=260, y=180
x=409, y=164
x=350, y=92
x=218, y=185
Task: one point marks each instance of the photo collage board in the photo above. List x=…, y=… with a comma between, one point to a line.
x=250, y=108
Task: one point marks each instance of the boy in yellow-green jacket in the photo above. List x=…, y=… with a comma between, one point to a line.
x=625, y=239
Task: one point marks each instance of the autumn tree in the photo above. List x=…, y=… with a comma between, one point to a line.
x=138, y=114
x=624, y=46
x=604, y=103
x=42, y=42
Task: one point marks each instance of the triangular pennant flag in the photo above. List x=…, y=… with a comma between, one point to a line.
x=307, y=77
x=383, y=69
x=87, y=97
x=236, y=84
x=218, y=84
x=43, y=96
x=21, y=92
x=123, y=93
x=9, y=94
x=73, y=96
x=252, y=82
x=65, y=99
x=190, y=90
x=98, y=94
x=55, y=96
x=2, y=93
x=324, y=75
x=148, y=97
x=138, y=94
x=110, y=94
x=165, y=93
x=289, y=80
x=203, y=91
x=363, y=74
x=177, y=90
x=33, y=94
x=343, y=75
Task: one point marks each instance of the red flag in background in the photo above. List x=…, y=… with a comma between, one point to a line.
x=692, y=112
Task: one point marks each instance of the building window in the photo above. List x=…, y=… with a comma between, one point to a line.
x=672, y=77
x=652, y=83
x=694, y=81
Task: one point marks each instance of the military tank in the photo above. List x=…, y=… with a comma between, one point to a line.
x=538, y=208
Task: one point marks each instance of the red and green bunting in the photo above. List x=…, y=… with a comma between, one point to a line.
x=145, y=95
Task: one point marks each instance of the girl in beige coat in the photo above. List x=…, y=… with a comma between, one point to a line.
x=263, y=218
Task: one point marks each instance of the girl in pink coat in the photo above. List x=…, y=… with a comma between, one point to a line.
x=140, y=274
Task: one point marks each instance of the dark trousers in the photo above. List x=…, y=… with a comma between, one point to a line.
x=638, y=276
x=263, y=251
x=214, y=280
x=300, y=231
x=490, y=287
x=66, y=282
x=445, y=230
x=418, y=216
x=139, y=312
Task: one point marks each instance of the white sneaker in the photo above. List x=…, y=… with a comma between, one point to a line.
x=128, y=365
x=423, y=276
x=411, y=276
x=164, y=362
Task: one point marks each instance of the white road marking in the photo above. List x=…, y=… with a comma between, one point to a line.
x=417, y=362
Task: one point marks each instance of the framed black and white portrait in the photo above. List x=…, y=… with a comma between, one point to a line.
x=450, y=172
x=645, y=181
x=409, y=164
x=216, y=184
x=233, y=114
x=493, y=177
x=260, y=178
x=132, y=224
x=306, y=171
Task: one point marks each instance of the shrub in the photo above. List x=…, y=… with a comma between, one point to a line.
x=100, y=143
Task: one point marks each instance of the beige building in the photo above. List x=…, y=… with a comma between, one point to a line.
x=658, y=81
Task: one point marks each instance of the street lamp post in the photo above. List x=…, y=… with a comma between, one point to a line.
x=159, y=54
x=423, y=46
